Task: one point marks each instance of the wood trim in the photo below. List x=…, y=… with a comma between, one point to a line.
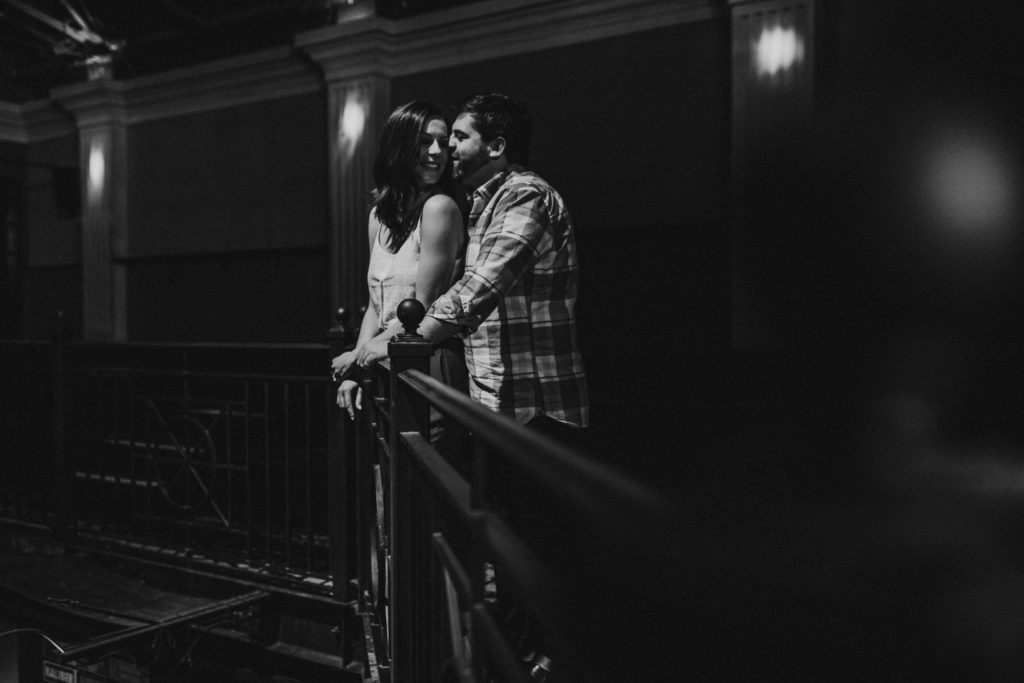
x=362, y=48
x=486, y=30
x=34, y=122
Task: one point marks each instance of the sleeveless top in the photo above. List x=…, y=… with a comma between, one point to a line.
x=392, y=276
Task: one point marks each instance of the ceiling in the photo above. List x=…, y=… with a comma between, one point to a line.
x=48, y=43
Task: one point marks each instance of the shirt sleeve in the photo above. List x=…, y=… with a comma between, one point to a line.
x=514, y=239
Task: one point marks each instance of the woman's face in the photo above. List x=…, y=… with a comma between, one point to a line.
x=433, y=153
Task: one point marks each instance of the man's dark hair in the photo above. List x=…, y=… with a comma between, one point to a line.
x=499, y=116
x=396, y=199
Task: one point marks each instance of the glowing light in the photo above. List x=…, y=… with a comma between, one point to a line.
x=353, y=119
x=97, y=170
x=351, y=124
x=778, y=49
x=969, y=187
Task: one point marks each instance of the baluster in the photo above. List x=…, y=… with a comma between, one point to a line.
x=337, y=480
x=409, y=412
x=62, y=478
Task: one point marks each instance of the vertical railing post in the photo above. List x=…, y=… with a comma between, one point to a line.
x=61, y=487
x=339, y=527
x=408, y=413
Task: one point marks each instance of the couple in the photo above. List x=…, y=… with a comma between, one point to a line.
x=509, y=292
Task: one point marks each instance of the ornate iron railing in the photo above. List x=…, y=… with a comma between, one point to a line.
x=433, y=542
x=223, y=456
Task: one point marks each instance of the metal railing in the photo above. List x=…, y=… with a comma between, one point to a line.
x=433, y=541
x=27, y=431
x=234, y=460
x=223, y=457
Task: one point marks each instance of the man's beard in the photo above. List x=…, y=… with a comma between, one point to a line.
x=466, y=168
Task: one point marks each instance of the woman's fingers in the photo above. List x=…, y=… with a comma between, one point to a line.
x=350, y=397
x=341, y=365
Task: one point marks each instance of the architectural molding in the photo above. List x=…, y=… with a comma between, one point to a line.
x=34, y=122
x=486, y=30
x=12, y=123
x=364, y=47
x=93, y=103
x=255, y=77
x=505, y=29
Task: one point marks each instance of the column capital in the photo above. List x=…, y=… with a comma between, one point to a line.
x=354, y=49
x=100, y=102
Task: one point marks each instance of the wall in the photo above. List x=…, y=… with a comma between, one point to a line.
x=227, y=213
x=52, y=255
x=228, y=218
x=634, y=132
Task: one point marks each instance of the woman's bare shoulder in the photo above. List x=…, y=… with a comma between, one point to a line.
x=441, y=211
x=440, y=203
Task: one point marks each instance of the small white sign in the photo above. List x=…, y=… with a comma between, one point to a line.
x=58, y=673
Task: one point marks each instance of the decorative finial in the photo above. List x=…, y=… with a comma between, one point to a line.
x=410, y=313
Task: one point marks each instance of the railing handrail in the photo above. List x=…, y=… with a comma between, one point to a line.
x=47, y=343
x=432, y=502
x=598, y=483
x=125, y=397
x=249, y=346
x=205, y=374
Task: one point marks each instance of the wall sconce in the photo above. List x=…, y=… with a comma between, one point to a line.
x=351, y=124
x=97, y=170
x=777, y=50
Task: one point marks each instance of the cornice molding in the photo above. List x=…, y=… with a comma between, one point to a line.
x=34, y=122
x=486, y=30
x=369, y=46
x=356, y=49
x=93, y=103
x=255, y=77
x=12, y=123
x=504, y=29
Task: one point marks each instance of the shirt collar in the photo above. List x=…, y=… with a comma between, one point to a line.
x=487, y=190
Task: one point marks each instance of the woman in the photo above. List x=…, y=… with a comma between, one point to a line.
x=416, y=238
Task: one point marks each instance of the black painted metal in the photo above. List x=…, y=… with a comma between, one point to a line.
x=442, y=537
x=406, y=351
x=208, y=455
x=107, y=642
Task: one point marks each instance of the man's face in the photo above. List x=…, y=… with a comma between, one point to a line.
x=469, y=153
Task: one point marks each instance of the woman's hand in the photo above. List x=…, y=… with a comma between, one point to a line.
x=371, y=352
x=350, y=397
x=342, y=365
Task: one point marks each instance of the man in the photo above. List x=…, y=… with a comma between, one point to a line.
x=515, y=304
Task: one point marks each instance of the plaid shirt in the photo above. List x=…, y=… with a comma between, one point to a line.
x=517, y=300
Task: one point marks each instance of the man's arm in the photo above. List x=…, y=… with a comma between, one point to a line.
x=433, y=330
x=436, y=331
x=517, y=235
x=510, y=246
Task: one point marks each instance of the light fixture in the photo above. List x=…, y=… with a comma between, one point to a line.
x=777, y=49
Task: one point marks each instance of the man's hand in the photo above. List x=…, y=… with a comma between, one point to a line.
x=350, y=397
x=371, y=352
x=342, y=365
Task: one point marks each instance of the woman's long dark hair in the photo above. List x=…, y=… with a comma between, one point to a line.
x=395, y=199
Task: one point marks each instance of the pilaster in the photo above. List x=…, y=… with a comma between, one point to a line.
x=99, y=110
x=354, y=56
